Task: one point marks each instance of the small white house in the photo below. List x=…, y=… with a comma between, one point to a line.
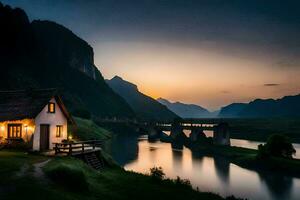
x=38, y=117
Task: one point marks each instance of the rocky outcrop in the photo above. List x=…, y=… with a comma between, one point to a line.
x=63, y=46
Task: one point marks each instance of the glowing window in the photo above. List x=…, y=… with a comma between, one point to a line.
x=59, y=130
x=14, y=130
x=51, y=107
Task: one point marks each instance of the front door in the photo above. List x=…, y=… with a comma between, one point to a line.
x=44, y=137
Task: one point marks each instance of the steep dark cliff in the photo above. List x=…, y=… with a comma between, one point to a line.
x=43, y=54
x=61, y=45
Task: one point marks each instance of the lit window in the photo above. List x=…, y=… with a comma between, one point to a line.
x=51, y=107
x=14, y=130
x=59, y=130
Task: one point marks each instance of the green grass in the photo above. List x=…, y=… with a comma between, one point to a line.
x=119, y=184
x=12, y=161
x=88, y=130
x=111, y=183
x=68, y=176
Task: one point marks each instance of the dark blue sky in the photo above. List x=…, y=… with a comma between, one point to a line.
x=127, y=36
x=255, y=22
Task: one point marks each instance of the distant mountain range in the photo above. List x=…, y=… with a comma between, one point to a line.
x=187, y=110
x=288, y=106
x=145, y=107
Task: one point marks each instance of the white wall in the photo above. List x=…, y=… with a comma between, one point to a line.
x=52, y=119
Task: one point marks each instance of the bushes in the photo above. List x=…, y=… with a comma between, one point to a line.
x=157, y=173
x=68, y=176
x=278, y=146
x=182, y=182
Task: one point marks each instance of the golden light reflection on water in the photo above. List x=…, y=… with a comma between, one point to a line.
x=215, y=174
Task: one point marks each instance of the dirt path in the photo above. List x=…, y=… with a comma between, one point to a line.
x=37, y=171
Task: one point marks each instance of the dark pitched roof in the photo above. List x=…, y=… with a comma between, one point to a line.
x=21, y=104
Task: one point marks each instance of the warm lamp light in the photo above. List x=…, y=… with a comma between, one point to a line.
x=70, y=137
x=26, y=127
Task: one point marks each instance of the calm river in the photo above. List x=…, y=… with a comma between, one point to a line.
x=213, y=174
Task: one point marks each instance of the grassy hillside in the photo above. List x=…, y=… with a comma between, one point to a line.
x=87, y=130
x=22, y=179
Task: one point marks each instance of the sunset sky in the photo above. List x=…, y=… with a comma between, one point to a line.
x=210, y=53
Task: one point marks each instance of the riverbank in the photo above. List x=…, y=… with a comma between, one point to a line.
x=246, y=158
x=259, y=129
x=242, y=157
x=20, y=180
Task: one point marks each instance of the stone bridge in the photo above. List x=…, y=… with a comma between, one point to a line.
x=221, y=135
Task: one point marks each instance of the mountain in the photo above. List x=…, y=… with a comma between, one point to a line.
x=44, y=54
x=232, y=110
x=186, y=110
x=288, y=106
x=144, y=106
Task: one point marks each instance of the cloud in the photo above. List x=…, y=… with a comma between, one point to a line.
x=271, y=84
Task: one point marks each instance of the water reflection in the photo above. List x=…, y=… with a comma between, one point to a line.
x=279, y=186
x=222, y=167
x=215, y=174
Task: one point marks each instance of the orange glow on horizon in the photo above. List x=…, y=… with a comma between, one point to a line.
x=201, y=75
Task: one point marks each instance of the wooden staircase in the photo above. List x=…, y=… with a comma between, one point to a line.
x=93, y=161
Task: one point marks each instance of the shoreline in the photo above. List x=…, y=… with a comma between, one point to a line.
x=246, y=158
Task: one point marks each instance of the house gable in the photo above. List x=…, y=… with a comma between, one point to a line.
x=56, y=120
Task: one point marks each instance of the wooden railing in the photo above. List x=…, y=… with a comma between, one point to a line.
x=80, y=147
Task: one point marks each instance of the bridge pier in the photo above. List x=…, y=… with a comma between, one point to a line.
x=153, y=132
x=196, y=134
x=177, y=135
x=221, y=134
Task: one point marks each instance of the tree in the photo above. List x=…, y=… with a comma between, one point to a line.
x=278, y=146
x=157, y=173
